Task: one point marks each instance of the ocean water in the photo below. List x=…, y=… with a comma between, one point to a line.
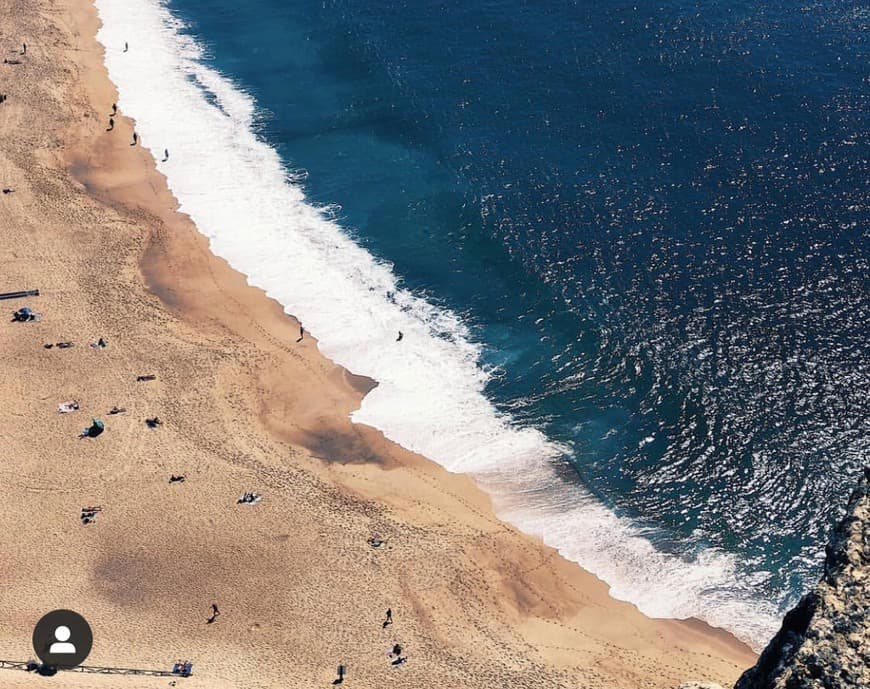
x=626, y=245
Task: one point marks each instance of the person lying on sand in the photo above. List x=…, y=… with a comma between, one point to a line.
x=375, y=541
x=96, y=428
x=117, y=410
x=214, y=614
x=89, y=514
x=176, y=479
x=153, y=423
x=25, y=315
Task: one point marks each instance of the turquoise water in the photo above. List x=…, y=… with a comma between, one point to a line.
x=651, y=218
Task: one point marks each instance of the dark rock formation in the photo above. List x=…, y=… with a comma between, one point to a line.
x=824, y=642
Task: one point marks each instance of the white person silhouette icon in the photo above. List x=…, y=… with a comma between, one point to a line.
x=62, y=639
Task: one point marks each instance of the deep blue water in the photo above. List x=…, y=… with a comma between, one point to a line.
x=653, y=214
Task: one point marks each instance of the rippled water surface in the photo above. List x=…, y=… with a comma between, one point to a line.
x=651, y=216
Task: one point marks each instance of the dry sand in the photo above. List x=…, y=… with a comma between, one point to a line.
x=91, y=224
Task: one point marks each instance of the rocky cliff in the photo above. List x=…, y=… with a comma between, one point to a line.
x=824, y=642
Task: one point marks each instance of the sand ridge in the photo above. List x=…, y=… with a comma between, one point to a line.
x=245, y=407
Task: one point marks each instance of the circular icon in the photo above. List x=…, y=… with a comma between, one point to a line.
x=62, y=638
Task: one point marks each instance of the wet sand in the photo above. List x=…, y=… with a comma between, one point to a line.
x=245, y=408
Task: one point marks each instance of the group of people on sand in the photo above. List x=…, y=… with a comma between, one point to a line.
x=395, y=654
x=89, y=514
x=114, y=114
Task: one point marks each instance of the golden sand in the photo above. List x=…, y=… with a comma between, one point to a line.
x=93, y=226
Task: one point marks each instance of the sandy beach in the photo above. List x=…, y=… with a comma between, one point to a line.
x=245, y=407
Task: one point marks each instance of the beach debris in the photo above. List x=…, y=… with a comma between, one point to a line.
x=95, y=429
x=101, y=343
x=25, y=315
x=22, y=293
x=67, y=407
x=177, y=479
x=117, y=410
x=154, y=423
x=182, y=667
x=249, y=499
x=89, y=514
x=145, y=379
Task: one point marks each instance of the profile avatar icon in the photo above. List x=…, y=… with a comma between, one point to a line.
x=62, y=645
x=62, y=639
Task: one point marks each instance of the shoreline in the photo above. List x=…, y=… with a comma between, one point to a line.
x=543, y=616
x=430, y=395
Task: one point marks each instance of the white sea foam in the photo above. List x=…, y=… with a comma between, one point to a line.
x=430, y=394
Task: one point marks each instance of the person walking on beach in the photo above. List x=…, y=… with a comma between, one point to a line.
x=214, y=613
x=111, y=124
x=399, y=338
x=165, y=154
x=24, y=49
x=389, y=619
x=135, y=139
x=301, y=333
x=126, y=46
x=114, y=109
